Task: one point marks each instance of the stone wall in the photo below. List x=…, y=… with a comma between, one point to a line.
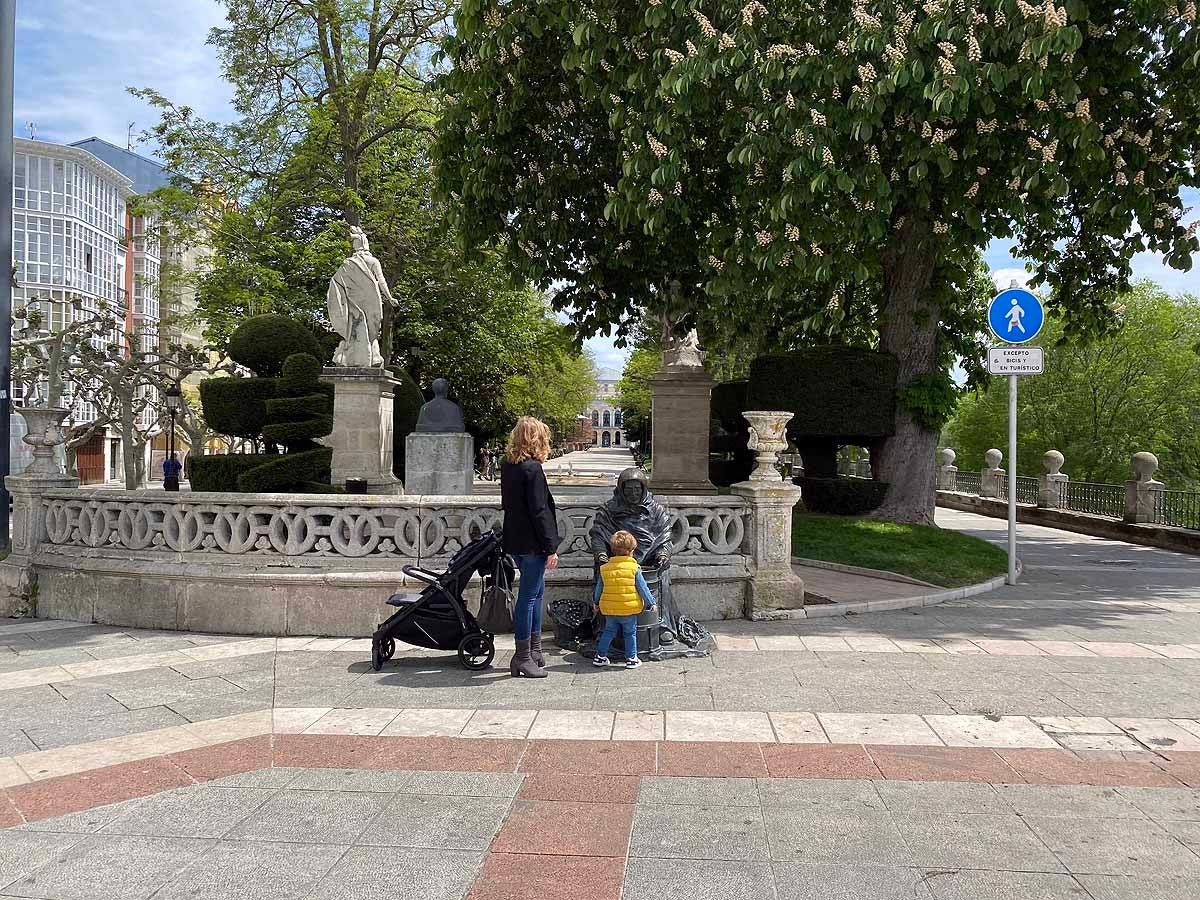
x=310, y=564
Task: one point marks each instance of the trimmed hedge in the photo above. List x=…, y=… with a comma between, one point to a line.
x=833, y=392
x=728, y=403
x=406, y=407
x=841, y=496
x=221, y=472
x=237, y=406
x=298, y=472
x=304, y=409
x=263, y=343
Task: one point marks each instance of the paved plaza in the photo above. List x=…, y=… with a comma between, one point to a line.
x=1040, y=741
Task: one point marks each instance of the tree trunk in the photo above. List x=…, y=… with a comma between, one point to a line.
x=909, y=331
x=129, y=455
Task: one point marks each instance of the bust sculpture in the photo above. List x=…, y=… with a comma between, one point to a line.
x=441, y=414
x=357, y=292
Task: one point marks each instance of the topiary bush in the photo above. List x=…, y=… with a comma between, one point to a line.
x=841, y=496
x=237, y=406
x=301, y=412
x=221, y=472
x=406, y=407
x=263, y=343
x=728, y=403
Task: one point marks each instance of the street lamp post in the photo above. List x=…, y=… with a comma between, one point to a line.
x=171, y=467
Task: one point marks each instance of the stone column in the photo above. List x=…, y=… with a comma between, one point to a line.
x=362, y=427
x=948, y=471
x=18, y=580
x=680, y=410
x=774, y=587
x=1053, y=483
x=989, y=478
x=1142, y=490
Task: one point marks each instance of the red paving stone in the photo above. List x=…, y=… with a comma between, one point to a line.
x=580, y=788
x=698, y=759
x=846, y=761
x=559, y=828
x=1064, y=767
x=513, y=876
x=8, y=813
x=1181, y=764
x=590, y=758
x=220, y=760
x=444, y=754
x=909, y=763
x=112, y=784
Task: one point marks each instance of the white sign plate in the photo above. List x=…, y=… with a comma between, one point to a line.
x=1015, y=361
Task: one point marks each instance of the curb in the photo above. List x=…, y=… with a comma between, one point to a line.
x=866, y=606
x=882, y=574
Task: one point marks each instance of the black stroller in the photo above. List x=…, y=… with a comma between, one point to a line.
x=438, y=617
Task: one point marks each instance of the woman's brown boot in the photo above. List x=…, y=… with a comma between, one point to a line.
x=522, y=666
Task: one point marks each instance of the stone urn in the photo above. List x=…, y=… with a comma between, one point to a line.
x=768, y=439
x=44, y=432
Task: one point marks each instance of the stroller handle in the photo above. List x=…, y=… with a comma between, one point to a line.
x=420, y=574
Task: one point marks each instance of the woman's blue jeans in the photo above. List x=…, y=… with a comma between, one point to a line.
x=527, y=617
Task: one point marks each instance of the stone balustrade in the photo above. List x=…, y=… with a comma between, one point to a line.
x=1139, y=500
x=322, y=564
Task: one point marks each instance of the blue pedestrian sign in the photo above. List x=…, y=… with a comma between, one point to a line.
x=1016, y=316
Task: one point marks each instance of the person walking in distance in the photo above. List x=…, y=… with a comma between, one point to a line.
x=530, y=535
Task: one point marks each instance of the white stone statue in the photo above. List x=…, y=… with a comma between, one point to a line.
x=355, y=298
x=685, y=352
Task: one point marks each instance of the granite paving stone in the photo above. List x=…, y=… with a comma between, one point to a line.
x=698, y=832
x=1126, y=887
x=939, y=797
x=267, y=778
x=312, y=817
x=841, y=836
x=98, y=728
x=104, y=867
x=23, y=852
x=87, y=821
x=827, y=794
x=647, y=879
x=194, y=812
x=236, y=870
x=1164, y=803
x=698, y=791
x=974, y=840
x=463, y=784
x=1073, y=801
x=966, y=885
x=801, y=881
x=1116, y=847
x=437, y=822
x=430, y=874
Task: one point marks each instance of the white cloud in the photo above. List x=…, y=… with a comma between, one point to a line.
x=75, y=59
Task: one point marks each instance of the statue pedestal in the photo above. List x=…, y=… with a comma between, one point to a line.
x=439, y=462
x=775, y=586
x=679, y=442
x=362, y=427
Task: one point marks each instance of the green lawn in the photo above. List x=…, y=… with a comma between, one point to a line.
x=936, y=555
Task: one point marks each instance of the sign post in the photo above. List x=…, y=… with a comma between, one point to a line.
x=1015, y=316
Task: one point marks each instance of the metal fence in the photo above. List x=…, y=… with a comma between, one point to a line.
x=1027, y=488
x=1180, y=509
x=967, y=482
x=1093, y=498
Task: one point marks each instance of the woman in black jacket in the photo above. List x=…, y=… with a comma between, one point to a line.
x=530, y=535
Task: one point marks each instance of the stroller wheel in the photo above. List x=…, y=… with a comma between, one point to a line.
x=476, y=651
x=381, y=651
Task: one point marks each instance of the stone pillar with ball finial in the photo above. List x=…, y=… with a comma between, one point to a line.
x=1052, y=486
x=989, y=478
x=1143, y=492
x=948, y=471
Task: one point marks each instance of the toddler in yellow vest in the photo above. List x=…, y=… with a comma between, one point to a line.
x=621, y=593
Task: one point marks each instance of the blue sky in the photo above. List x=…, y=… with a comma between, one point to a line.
x=75, y=58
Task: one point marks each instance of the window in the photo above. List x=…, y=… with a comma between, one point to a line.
x=618, y=418
x=595, y=418
x=607, y=419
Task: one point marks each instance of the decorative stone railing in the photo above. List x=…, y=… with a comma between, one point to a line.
x=324, y=564
x=392, y=529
